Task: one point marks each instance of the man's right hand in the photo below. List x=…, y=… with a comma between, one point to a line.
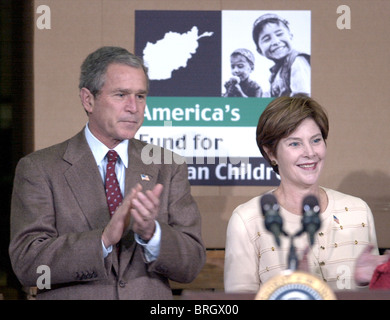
x=120, y=220
x=366, y=264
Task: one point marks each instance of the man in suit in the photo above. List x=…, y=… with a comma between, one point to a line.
x=60, y=216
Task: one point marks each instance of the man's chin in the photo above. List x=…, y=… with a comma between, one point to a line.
x=129, y=131
x=127, y=135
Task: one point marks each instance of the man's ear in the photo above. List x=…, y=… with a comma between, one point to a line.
x=87, y=99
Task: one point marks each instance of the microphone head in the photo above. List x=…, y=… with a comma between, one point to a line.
x=310, y=205
x=268, y=203
x=272, y=220
x=311, y=221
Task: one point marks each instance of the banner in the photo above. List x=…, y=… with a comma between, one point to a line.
x=210, y=82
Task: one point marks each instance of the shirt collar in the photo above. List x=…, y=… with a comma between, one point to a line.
x=99, y=150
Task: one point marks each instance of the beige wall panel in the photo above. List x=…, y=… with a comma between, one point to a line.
x=350, y=76
x=58, y=54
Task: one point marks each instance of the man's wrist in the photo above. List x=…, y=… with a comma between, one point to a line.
x=104, y=241
x=106, y=250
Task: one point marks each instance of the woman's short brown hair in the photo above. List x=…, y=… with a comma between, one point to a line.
x=282, y=116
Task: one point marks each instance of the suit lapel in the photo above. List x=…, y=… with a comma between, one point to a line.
x=139, y=172
x=85, y=181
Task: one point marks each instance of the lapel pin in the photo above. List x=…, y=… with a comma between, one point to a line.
x=145, y=177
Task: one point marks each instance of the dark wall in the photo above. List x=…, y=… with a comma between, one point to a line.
x=16, y=87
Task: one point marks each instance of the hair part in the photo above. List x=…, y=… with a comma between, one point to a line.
x=94, y=67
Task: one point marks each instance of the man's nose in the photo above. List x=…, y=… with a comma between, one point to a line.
x=131, y=104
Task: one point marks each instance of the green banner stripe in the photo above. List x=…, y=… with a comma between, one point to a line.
x=204, y=111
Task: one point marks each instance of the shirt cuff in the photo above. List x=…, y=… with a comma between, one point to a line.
x=152, y=247
x=106, y=251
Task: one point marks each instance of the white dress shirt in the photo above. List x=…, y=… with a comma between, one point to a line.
x=99, y=151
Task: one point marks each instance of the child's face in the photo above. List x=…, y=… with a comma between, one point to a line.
x=240, y=67
x=275, y=41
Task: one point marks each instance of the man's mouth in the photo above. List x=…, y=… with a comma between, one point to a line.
x=129, y=120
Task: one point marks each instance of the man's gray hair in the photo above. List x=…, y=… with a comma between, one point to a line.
x=94, y=67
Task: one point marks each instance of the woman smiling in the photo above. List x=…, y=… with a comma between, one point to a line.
x=291, y=135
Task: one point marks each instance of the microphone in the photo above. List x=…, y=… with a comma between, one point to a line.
x=272, y=220
x=235, y=80
x=311, y=221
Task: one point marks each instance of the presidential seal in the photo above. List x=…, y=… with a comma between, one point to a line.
x=295, y=285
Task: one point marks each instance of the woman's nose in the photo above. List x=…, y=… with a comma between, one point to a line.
x=309, y=150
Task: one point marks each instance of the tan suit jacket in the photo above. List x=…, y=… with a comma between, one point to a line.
x=59, y=211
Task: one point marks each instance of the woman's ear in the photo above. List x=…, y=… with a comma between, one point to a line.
x=269, y=153
x=87, y=99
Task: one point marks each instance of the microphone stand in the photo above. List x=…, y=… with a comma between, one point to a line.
x=310, y=224
x=292, y=256
x=273, y=223
x=292, y=259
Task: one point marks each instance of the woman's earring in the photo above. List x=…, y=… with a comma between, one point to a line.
x=273, y=163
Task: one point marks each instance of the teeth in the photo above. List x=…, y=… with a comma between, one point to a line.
x=306, y=165
x=277, y=49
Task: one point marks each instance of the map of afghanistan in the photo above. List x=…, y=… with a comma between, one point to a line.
x=165, y=56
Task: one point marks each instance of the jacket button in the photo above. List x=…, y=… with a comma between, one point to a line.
x=122, y=283
x=162, y=269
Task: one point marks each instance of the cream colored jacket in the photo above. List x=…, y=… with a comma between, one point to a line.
x=252, y=257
